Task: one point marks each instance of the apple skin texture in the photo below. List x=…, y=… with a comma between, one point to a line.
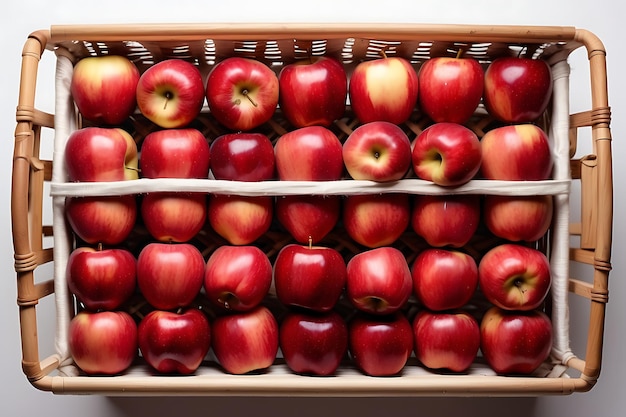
x=450, y=88
x=170, y=93
x=104, y=88
x=313, y=92
x=384, y=89
x=517, y=90
x=515, y=342
x=104, y=342
x=174, y=342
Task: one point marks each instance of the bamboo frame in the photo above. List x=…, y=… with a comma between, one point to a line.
x=30, y=173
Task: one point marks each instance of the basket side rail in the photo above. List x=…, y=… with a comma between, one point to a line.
x=600, y=254
x=28, y=176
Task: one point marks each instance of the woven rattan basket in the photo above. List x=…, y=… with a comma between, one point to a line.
x=585, y=241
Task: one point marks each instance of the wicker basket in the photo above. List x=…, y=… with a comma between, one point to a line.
x=565, y=372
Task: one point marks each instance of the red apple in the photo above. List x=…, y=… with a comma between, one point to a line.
x=174, y=216
x=313, y=91
x=444, y=279
x=448, y=154
x=313, y=344
x=103, y=88
x=450, y=88
x=383, y=89
x=242, y=93
x=103, y=342
x=170, y=275
x=170, y=93
x=516, y=152
x=446, y=220
x=175, y=153
x=514, y=277
x=378, y=281
x=376, y=220
x=174, y=342
x=105, y=220
x=311, y=277
x=380, y=345
x=242, y=156
x=245, y=342
x=309, y=154
x=518, y=218
x=514, y=342
x=446, y=340
x=377, y=151
x=237, y=277
x=240, y=219
x=101, y=279
x=308, y=217
x=101, y=154
x=517, y=89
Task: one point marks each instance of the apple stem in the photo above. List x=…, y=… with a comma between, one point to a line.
x=168, y=97
x=310, y=242
x=99, y=246
x=225, y=300
x=383, y=53
x=459, y=53
x=246, y=94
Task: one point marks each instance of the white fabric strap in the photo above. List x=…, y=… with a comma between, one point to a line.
x=64, y=124
x=559, y=131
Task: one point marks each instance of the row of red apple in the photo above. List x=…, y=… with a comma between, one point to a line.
x=376, y=281
x=371, y=220
x=108, y=342
x=243, y=93
x=447, y=154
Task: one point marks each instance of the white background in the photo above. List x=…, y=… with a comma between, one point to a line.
x=19, y=18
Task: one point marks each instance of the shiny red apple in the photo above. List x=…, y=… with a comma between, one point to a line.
x=514, y=342
x=242, y=93
x=450, y=88
x=444, y=279
x=310, y=277
x=242, y=156
x=174, y=216
x=376, y=220
x=515, y=277
x=378, y=280
x=518, y=218
x=174, y=342
x=170, y=93
x=308, y=218
x=237, y=278
x=313, y=343
x=170, y=275
x=380, y=345
x=383, y=89
x=313, y=91
x=103, y=88
x=310, y=153
x=104, y=342
x=448, y=154
x=377, y=151
x=517, y=89
x=240, y=219
x=108, y=220
x=100, y=154
x=446, y=340
x=175, y=153
x=446, y=220
x=516, y=152
x=245, y=342
x=101, y=279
